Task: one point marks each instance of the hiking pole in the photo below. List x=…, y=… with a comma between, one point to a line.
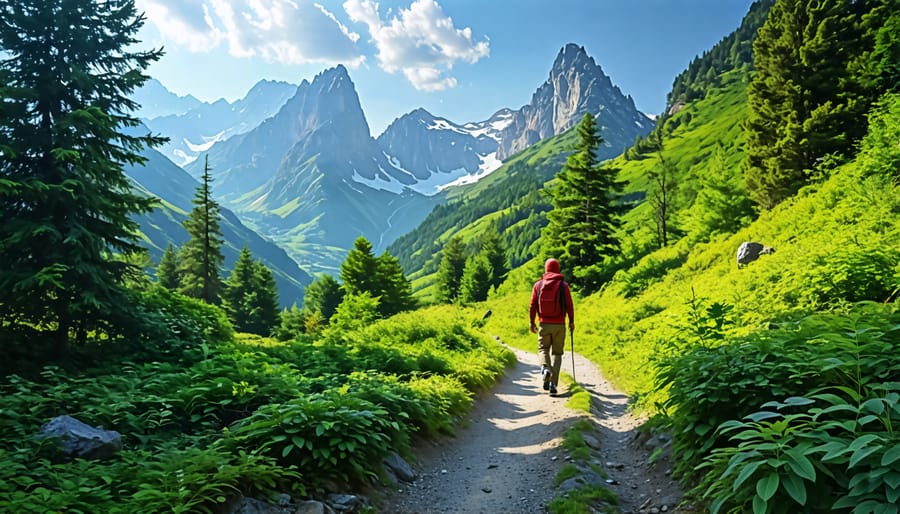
x=572, y=337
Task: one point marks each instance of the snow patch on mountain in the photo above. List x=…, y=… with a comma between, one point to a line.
x=489, y=164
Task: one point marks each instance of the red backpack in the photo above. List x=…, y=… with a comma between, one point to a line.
x=551, y=299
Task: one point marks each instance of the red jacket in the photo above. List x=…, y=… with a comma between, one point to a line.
x=570, y=308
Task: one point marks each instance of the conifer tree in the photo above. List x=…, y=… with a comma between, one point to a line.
x=67, y=71
x=394, y=289
x=495, y=253
x=450, y=271
x=200, y=260
x=476, y=280
x=167, y=271
x=581, y=229
x=266, y=310
x=661, y=192
x=722, y=205
x=360, y=268
x=323, y=295
x=239, y=292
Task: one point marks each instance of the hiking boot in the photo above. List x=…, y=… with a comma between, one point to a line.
x=552, y=388
x=545, y=374
x=546, y=386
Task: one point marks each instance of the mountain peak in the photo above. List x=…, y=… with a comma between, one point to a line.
x=573, y=56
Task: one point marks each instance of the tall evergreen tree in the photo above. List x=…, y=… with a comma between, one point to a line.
x=267, y=310
x=722, y=206
x=167, y=271
x=450, y=271
x=323, y=295
x=68, y=69
x=809, y=94
x=476, y=280
x=581, y=229
x=393, y=287
x=239, y=292
x=359, y=271
x=200, y=260
x=493, y=250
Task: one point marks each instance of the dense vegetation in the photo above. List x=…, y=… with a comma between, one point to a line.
x=778, y=380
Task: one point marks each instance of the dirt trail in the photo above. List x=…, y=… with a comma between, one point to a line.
x=506, y=459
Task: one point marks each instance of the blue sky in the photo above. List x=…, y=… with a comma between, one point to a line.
x=459, y=59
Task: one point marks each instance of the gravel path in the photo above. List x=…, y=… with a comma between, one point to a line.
x=505, y=460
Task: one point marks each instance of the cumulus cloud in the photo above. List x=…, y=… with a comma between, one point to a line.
x=421, y=42
x=283, y=31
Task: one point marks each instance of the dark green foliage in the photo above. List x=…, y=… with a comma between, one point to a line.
x=67, y=71
x=359, y=271
x=495, y=254
x=381, y=278
x=807, y=98
x=845, y=363
x=450, y=272
x=586, y=208
x=722, y=205
x=200, y=258
x=323, y=295
x=167, y=271
x=476, y=280
x=395, y=290
x=250, y=297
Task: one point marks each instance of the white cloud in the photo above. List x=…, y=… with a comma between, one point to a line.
x=283, y=31
x=421, y=42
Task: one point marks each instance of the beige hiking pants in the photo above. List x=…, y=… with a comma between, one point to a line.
x=552, y=340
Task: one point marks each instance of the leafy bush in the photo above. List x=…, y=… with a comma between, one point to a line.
x=332, y=436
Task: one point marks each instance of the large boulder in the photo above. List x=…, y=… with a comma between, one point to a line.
x=749, y=251
x=81, y=440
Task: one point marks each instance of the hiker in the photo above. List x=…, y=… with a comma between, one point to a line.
x=551, y=301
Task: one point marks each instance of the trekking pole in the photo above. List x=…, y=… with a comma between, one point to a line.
x=572, y=337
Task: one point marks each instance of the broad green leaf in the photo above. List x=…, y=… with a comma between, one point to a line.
x=795, y=487
x=891, y=456
x=861, y=454
x=801, y=465
x=797, y=401
x=874, y=406
x=767, y=485
x=761, y=415
x=760, y=506
x=745, y=473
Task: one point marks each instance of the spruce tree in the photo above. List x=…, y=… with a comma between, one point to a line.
x=476, y=280
x=67, y=70
x=359, y=271
x=450, y=271
x=267, y=311
x=493, y=250
x=239, y=292
x=200, y=260
x=722, y=205
x=323, y=296
x=394, y=289
x=581, y=229
x=167, y=271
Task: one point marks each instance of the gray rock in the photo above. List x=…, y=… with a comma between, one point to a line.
x=400, y=468
x=591, y=441
x=345, y=502
x=254, y=506
x=311, y=507
x=81, y=440
x=749, y=251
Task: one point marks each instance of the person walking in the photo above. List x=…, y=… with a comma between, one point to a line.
x=551, y=302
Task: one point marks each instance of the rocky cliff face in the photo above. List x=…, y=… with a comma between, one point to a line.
x=577, y=85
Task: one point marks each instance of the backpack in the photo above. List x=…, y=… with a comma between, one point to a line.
x=551, y=299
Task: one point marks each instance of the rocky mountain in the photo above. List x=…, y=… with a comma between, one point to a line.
x=155, y=100
x=161, y=178
x=301, y=167
x=576, y=85
x=192, y=132
x=440, y=153
x=313, y=179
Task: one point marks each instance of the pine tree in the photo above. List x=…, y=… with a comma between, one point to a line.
x=267, y=311
x=167, y=271
x=476, y=280
x=450, y=271
x=359, y=271
x=495, y=253
x=808, y=96
x=67, y=71
x=581, y=229
x=722, y=206
x=394, y=289
x=200, y=260
x=323, y=295
x=239, y=292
